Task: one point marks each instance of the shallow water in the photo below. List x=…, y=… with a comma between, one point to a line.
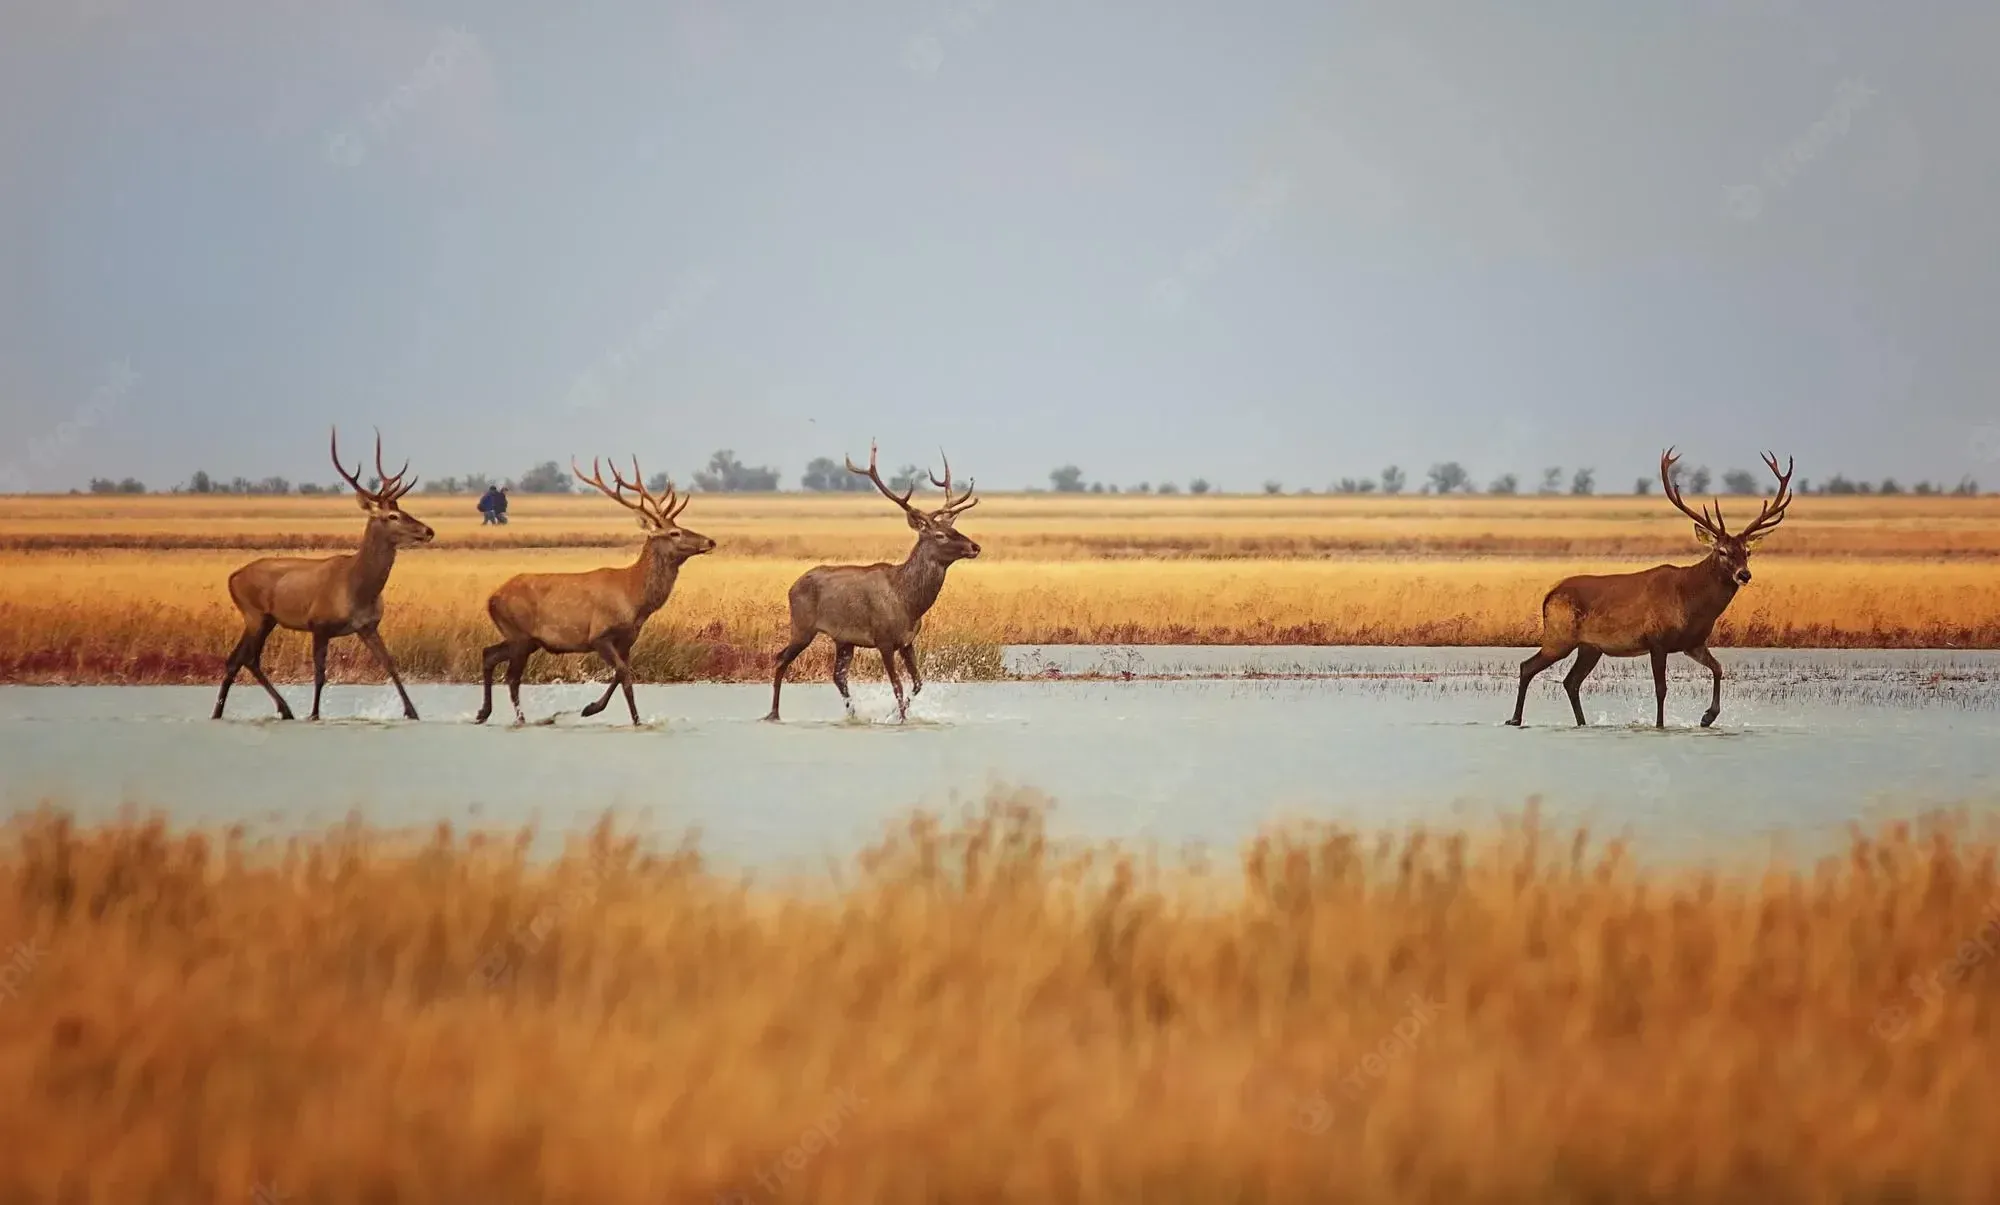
x=1807, y=743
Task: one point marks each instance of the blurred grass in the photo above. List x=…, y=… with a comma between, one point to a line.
x=976, y=1012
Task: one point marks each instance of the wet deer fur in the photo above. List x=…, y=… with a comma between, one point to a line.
x=879, y=606
x=1653, y=612
x=597, y=611
x=329, y=597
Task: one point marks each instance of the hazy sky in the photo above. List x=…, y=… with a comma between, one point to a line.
x=1159, y=239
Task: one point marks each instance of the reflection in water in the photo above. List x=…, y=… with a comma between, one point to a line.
x=1806, y=743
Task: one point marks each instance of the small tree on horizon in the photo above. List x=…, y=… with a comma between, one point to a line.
x=1392, y=480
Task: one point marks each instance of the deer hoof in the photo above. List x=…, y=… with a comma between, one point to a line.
x=772, y=718
x=1514, y=723
x=1709, y=718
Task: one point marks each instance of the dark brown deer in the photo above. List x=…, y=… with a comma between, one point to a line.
x=597, y=611
x=329, y=597
x=879, y=606
x=1657, y=611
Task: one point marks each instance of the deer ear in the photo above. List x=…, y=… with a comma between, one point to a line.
x=916, y=521
x=368, y=504
x=1703, y=536
x=1750, y=541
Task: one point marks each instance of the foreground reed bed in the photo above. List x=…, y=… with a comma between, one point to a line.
x=977, y=1014
x=166, y=617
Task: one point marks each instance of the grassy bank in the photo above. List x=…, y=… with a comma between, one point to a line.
x=977, y=1015
x=166, y=617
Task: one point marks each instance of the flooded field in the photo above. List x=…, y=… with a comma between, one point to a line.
x=1197, y=745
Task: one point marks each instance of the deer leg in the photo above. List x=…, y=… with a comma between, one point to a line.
x=255, y=660
x=843, y=659
x=1586, y=660
x=1659, y=689
x=373, y=639
x=320, y=641
x=1703, y=656
x=517, y=665
x=621, y=669
x=491, y=657
x=889, y=665
x=789, y=654
x=234, y=666
x=910, y=663
x=1542, y=659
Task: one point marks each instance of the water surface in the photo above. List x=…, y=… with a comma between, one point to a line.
x=1807, y=743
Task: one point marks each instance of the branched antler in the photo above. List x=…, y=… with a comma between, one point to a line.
x=391, y=489
x=1773, y=511
x=655, y=510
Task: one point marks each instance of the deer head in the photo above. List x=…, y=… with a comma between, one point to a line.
x=937, y=530
x=383, y=505
x=1732, y=552
x=657, y=516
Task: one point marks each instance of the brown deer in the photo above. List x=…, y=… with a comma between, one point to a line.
x=1657, y=611
x=597, y=611
x=879, y=606
x=331, y=596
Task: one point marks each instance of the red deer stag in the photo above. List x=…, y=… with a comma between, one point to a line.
x=598, y=611
x=879, y=606
x=1657, y=611
x=331, y=596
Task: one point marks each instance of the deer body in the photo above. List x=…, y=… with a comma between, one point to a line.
x=329, y=597
x=597, y=611
x=1653, y=612
x=880, y=606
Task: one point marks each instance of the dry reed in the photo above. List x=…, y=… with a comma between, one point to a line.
x=166, y=617
x=980, y=1015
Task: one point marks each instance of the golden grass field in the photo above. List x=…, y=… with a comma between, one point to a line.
x=976, y=1014
x=123, y=589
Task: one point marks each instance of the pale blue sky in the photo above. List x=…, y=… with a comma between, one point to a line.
x=1402, y=233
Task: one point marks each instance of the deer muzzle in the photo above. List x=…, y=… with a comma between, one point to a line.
x=1742, y=577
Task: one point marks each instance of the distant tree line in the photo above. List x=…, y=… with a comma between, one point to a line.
x=726, y=473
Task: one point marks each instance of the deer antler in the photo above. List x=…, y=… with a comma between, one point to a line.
x=1711, y=525
x=657, y=511
x=1773, y=511
x=874, y=474
x=391, y=488
x=952, y=506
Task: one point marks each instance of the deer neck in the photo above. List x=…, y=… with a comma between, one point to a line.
x=1709, y=587
x=372, y=562
x=920, y=577
x=653, y=576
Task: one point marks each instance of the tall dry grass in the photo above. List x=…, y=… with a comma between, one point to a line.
x=1035, y=527
x=976, y=1014
x=166, y=617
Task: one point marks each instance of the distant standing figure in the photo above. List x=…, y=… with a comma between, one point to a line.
x=493, y=506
